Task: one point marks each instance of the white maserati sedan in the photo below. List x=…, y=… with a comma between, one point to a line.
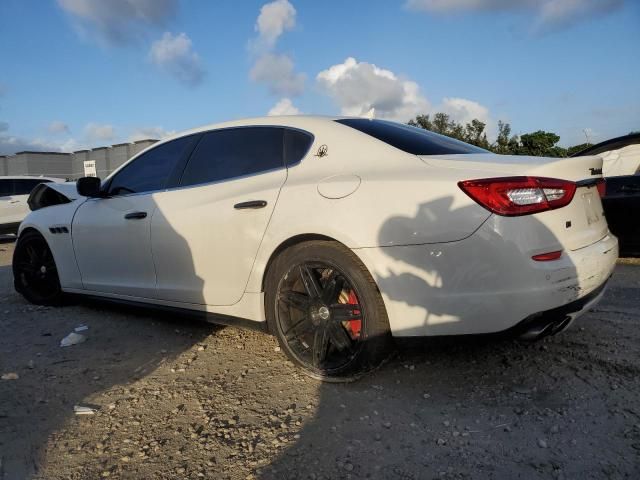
x=333, y=234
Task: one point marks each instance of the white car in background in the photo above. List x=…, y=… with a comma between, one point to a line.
x=333, y=234
x=14, y=192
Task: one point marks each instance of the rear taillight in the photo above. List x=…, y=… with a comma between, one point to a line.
x=512, y=196
x=602, y=187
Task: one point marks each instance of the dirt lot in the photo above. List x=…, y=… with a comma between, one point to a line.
x=180, y=399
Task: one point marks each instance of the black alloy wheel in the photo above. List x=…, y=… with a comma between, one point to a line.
x=327, y=312
x=34, y=270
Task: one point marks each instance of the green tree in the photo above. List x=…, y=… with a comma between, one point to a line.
x=504, y=139
x=422, y=121
x=541, y=144
x=577, y=148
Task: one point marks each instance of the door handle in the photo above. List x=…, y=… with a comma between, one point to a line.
x=135, y=215
x=14, y=201
x=250, y=204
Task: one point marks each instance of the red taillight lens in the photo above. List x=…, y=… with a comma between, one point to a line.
x=602, y=187
x=512, y=196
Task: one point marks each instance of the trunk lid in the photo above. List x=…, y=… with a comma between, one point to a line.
x=575, y=226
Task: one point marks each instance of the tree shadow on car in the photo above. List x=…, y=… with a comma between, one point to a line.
x=447, y=406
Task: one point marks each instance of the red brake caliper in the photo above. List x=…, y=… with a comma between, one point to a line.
x=354, y=325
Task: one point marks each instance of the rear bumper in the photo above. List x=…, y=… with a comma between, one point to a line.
x=550, y=322
x=484, y=284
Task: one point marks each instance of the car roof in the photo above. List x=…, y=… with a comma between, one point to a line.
x=295, y=121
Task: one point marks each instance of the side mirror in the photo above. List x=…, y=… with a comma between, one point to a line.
x=89, y=187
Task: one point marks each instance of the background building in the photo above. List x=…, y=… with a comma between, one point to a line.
x=71, y=165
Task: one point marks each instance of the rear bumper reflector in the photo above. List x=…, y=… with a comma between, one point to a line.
x=547, y=257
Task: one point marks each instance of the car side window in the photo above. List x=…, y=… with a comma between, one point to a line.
x=234, y=152
x=23, y=186
x=152, y=170
x=296, y=145
x=6, y=187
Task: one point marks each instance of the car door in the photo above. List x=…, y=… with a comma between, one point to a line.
x=205, y=234
x=6, y=202
x=111, y=236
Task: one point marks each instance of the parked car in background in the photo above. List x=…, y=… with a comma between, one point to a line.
x=333, y=234
x=14, y=192
x=621, y=202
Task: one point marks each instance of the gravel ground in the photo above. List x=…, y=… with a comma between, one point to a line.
x=176, y=398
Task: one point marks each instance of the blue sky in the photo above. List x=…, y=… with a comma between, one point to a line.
x=82, y=73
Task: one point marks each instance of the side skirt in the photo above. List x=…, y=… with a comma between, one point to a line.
x=202, y=315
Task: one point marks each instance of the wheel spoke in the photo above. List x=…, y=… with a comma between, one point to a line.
x=299, y=328
x=32, y=254
x=310, y=281
x=320, y=346
x=341, y=312
x=25, y=266
x=296, y=300
x=339, y=337
x=332, y=288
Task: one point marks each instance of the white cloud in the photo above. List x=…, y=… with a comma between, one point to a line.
x=284, y=107
x=95, y=132
x=274, y=19
x=174, y=54
x=547, y=14
x=278, y=73
x=463, y=110
x=118, y=21
x=10, y=144
x=275, y=70
x=359, y=87
x=155, y=133
x=58, y=127
x=556, y=14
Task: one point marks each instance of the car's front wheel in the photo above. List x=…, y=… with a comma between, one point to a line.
x=34, y=270
x=326, y=311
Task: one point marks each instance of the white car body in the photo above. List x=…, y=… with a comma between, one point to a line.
x=444, y=264
x=623, y=161
x=14, y=192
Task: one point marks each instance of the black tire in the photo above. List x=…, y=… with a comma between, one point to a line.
x=35, y=274
x=352, y=307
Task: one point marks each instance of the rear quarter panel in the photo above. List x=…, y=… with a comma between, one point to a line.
x=399, y=200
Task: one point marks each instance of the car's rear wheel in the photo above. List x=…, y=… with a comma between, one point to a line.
x=34, y=270
x=326, y=311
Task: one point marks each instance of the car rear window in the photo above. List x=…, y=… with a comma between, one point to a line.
x=414, y=140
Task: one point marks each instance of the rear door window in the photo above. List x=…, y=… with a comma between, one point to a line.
x=234, y=152
x=23, y=186
x=296, y=145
